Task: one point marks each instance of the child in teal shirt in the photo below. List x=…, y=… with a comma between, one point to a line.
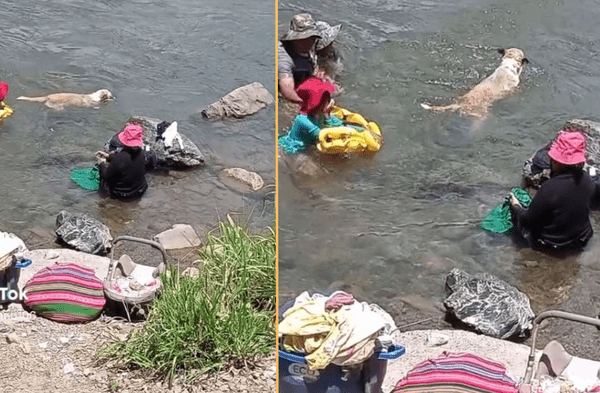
x=313, y=115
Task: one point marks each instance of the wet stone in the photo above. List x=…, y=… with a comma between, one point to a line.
x=185, y=154
x=82, y=232
x=488, y=304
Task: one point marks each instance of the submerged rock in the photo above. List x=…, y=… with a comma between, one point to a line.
x=302, y=166
x=488, y=304
x=184, y=154
x=250, y=178
x=83, y=232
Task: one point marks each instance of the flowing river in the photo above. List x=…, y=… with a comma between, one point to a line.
x=161, y=59
x=390, y=227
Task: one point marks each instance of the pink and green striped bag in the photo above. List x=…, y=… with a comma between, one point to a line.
x=65, y=292
x=457, y=373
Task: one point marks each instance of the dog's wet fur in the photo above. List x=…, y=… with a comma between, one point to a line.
x=59, y=101
x=501, y=83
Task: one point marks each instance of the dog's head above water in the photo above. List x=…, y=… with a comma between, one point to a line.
x=102, y=95
x=514, y=53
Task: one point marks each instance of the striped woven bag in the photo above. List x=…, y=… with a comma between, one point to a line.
x=457, y=373
x=65, y=292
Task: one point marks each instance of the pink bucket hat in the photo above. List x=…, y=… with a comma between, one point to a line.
x=132, y=135
x=313, y=91
x=3, y=90
x=568, y=148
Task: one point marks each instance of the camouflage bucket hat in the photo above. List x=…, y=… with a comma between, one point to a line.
x=328, y=34
x=301, y=26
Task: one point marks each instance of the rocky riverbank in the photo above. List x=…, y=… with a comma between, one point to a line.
x=40, y=356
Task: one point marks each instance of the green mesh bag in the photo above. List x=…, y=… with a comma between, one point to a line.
x=499, y=219
x=87, y=178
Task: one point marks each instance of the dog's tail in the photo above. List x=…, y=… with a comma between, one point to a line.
x=435, y=108
x=35, y=99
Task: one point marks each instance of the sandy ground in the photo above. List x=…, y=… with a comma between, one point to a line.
x=39, y=356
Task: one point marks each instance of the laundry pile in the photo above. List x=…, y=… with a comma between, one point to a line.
x=336, y=329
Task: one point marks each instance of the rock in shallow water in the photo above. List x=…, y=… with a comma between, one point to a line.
x=489, y=305
x=241, y=102
x=250, y=178
x=184, y=154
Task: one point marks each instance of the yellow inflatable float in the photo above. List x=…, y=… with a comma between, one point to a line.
x=357, y=135
x=5, y=110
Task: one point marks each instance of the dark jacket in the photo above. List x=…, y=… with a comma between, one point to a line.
x=114, y=145
x=558, y=217
x=304, y=66
x=124, y=176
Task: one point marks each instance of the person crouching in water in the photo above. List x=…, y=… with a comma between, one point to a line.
x=558, y=217
x=123, y=175
x=314, y=114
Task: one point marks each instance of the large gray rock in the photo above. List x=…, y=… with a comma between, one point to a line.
x=176, y=155
x=241, y=102
x=488, y=304
x=82, y=232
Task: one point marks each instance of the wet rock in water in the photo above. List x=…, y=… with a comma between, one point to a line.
x=250, y=178
x=302, y=165
x=241, y=102
x=489, y=305
x=184, y=154
x=83, y=232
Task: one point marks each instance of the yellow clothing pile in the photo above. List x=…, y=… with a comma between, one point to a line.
x=343, y=337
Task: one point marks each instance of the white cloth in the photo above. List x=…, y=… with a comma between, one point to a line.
x=9, y=244
x=170, y=134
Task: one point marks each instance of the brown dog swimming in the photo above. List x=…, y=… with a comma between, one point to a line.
x=59, y=101
x=501, y=83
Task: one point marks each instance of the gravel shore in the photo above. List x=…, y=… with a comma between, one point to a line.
x=40, y=356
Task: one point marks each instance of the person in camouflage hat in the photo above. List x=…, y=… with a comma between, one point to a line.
x=327, y=33
x=329, y=60
x=296, y=55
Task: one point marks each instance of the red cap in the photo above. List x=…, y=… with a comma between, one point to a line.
x=313, y=91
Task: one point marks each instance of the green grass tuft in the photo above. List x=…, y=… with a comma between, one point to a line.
x=223, y=316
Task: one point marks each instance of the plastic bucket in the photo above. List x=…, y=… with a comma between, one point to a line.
x=295, y=377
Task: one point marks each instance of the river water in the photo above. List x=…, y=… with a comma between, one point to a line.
x=390, y=227
x=161, y=59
